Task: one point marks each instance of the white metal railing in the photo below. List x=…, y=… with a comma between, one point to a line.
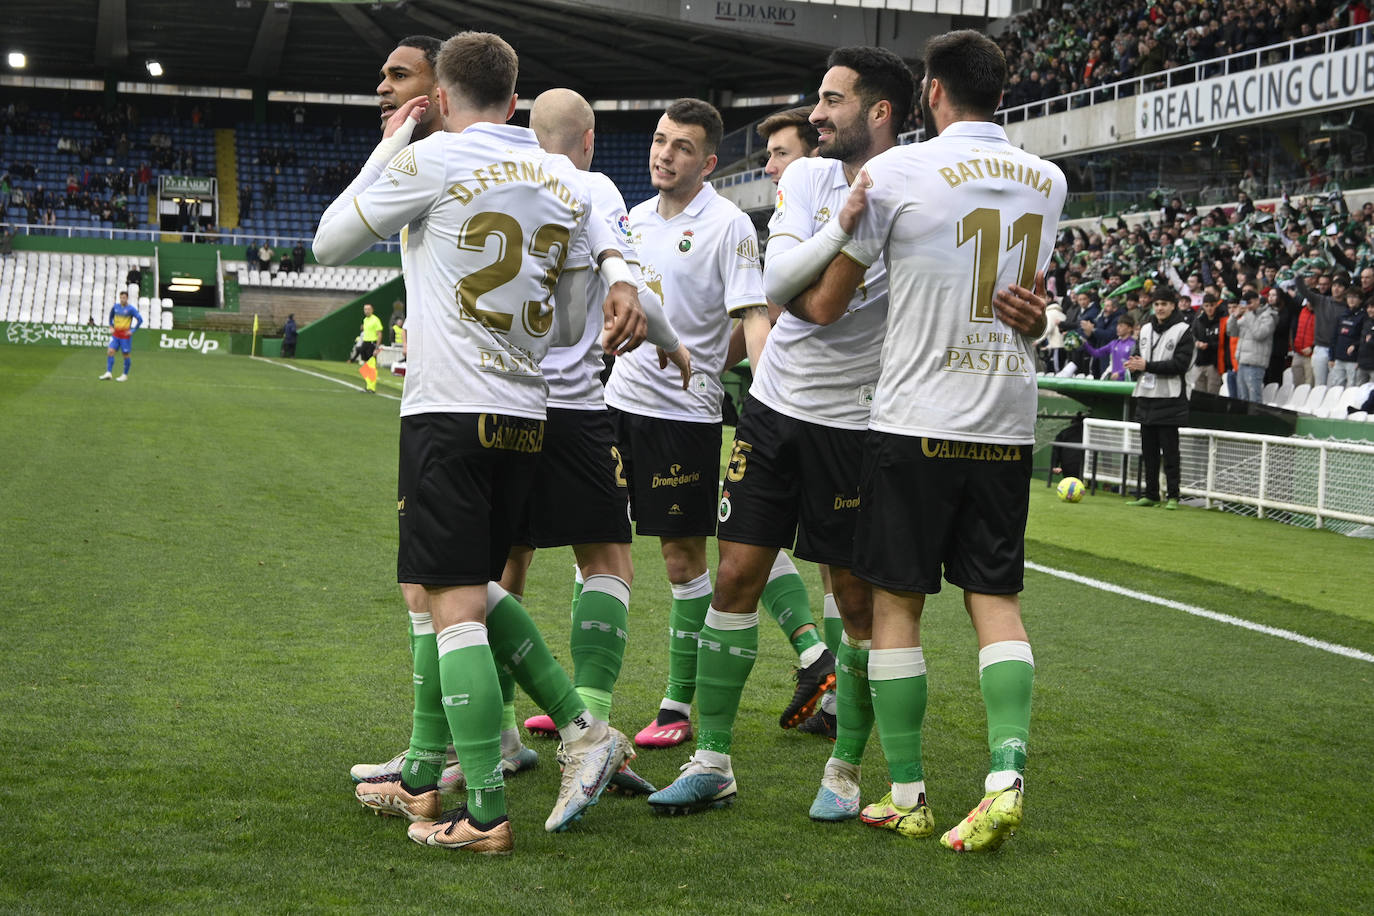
x=1305, y=482
x=1284, y=51
x=155, y=235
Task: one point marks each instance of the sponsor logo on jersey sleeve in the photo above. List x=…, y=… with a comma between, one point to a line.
x=623, y=224
x=748, y=249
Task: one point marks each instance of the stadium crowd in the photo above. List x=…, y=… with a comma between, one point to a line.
x=1055, y=50
x=1301, y=272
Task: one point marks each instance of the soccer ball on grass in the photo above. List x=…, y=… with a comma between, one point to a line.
x=1071, y=489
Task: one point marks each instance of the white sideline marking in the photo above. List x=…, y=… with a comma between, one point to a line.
x=1289, y=635
x=327, y=378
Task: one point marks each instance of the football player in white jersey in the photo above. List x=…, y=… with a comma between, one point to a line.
x=947, y=465
x=700, y=253
x=580, y=495
x=492, y=223
x=788, y=136
x=793, y=477
x=408, y=73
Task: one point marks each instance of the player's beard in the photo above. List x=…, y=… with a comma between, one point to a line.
x=847, y=143
x=927, y=116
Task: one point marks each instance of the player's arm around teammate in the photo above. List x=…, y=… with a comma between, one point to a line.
x=947, y=469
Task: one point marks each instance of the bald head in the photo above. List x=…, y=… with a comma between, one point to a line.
x=564, y=123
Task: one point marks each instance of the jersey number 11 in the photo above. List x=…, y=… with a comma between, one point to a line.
x=983, y=227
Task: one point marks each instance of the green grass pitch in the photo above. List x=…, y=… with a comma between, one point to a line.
x=202, y=633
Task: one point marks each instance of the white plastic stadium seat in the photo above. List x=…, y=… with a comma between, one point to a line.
x=1267, y=395
x=1329, y=405
x=1314, y=399
x=1298, y=397
x=1226, y=386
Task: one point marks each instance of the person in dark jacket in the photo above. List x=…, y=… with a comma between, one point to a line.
x=1345, y=341
x=1162, y=357
x=1207, y=336
x=1364, y=360
x=288, y=336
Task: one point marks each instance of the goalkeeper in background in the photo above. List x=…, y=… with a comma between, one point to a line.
x=124, y=320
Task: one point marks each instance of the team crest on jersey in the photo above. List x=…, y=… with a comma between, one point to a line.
x=723, y=512
x=823, y=215
x=623, y=224
x=684, y=244
x=405, y=162
x=748, y=249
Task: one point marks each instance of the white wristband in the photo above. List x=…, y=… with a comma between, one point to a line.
x=615, y=270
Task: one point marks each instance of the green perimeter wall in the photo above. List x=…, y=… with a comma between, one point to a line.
x=332, y=336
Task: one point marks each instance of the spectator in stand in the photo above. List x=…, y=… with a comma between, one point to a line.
x=245, y=201
x=1304, y=336
x=1099, y=333
x=265, y=255
x=298, y=257
x=1364, y=356
x=1051, y=345
x=287, y=264
x=1207, y=338
x=1285, y=320
x=1161, y=358
x=1345, y=340
x=250, y=257
x=1115, y=353
x=1326, y=310
x=1252, y=322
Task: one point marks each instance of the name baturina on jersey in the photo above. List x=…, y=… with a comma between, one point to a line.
x=508, y=172
x=982, y=169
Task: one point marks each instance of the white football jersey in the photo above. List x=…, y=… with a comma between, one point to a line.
x=574, y=373
x=704, y=265
x=491, y=221
x=824, y=374
x=955, y=219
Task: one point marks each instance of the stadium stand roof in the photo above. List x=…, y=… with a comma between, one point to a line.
x=604, y=50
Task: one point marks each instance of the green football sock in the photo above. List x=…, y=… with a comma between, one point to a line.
x=429, y=730
x=690, y=603
x=832, y=626
x=853, y=703
x=1006, y=675
x=786, y=601
x=507, y=681
x=729, y=645
x=516, y=643
x=472, y=701
x=598, y=640
x=897, y=681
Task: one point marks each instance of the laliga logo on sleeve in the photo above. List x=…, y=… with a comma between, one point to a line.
x=623, y=224
x=684, y=244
